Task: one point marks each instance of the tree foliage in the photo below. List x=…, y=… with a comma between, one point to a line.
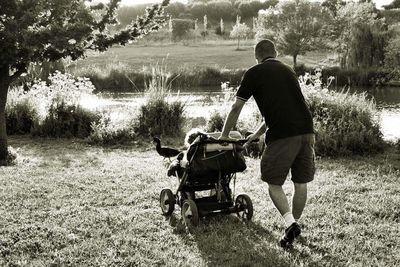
x=239, y=31
x=220, y=9
x=198, y=10
x=393, y=5
x=176, y=9
x=392, y=49
x=42, y=30
x=181, y=27
x=249, y=9
x=295, y=25
x=359, y=35
x=333, y=5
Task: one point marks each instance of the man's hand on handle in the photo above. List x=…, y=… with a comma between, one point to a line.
x=251, y=138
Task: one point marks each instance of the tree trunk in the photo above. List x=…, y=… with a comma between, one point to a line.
x=294, y=61
x=4, y=84
x=238, y=43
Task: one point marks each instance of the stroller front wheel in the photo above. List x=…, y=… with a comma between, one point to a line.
x=244, y=207
x=190, y=213
x=167, y=202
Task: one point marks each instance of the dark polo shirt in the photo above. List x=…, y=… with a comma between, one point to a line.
x=276, y=90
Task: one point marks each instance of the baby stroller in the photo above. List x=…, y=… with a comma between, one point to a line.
x=208, y=164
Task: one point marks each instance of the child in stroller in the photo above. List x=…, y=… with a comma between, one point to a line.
x=208, y=164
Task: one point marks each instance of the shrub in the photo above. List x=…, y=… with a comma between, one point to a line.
x=181, y=27
x=66, y=120
x=108, y=132
x=345, y=123
x=58, y=106
x=397, y=146
x=21, y=114
x=215, y=123
x=353, y=77
x=160, y=118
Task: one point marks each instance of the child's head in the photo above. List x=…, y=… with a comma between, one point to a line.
x=192, y=135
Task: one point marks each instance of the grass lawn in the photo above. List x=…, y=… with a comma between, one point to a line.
x=202, y=54
x=70, y=204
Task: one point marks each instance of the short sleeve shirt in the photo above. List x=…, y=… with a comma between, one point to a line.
x=276, y=90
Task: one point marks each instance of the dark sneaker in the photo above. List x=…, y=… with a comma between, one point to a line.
x=291, y=233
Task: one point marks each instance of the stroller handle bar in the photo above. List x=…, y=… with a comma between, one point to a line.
x=232, y=141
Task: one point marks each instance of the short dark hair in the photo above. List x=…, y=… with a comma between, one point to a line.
x=265, y=48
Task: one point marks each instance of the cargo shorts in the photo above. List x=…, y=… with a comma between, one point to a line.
x=294, y=153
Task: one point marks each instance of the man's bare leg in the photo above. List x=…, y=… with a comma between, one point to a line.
x=299, y=200
x=281, y=202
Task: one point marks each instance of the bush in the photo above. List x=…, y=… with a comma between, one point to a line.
x=51, y=109
x=345, y=123
x=107, y=132
x=21, y=114
x=160, y=118
x=215, y=123
x=66, y=120
x=353, y=77
x=181, y=27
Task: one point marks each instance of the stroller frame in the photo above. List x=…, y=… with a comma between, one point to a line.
x=220, y=202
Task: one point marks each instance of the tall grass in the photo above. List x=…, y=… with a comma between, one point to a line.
x=21, y=112
x=120, y=77
x=159, y=116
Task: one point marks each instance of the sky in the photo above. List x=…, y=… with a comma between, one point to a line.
x=379, y=3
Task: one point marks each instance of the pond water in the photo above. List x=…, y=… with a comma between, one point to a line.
x=202, y=104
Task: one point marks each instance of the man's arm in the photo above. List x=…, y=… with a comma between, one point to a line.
x=260, y=130
x=232, y=118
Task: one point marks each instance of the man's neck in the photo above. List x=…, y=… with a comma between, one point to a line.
x=267, y=58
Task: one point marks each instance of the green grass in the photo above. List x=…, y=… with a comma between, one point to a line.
x=71, y=204
x=179, y=56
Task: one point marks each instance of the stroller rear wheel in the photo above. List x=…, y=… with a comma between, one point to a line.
x=190, y=213
x=167, y=202
x=244, y=206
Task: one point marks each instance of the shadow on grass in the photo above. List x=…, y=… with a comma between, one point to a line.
x=227, y=241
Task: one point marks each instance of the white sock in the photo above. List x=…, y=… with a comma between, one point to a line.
x=289, y=219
